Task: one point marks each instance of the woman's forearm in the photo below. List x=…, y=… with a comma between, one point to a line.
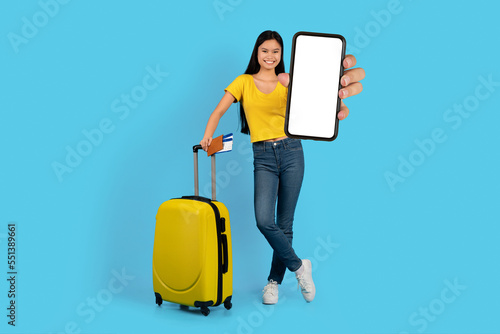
x=214, y=119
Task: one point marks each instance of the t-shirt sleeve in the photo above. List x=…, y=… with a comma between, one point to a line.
x=236, y=88
x=285, y=93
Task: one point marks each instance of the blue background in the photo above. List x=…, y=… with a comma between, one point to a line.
x=384, y=252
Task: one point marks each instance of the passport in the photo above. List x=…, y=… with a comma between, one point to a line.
x=215, y=146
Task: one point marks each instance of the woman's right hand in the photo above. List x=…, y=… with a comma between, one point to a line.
x=205, y=143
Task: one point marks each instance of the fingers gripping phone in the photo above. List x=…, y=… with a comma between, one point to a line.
x=313, y=92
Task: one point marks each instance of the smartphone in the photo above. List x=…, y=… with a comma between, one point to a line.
x=313, y=92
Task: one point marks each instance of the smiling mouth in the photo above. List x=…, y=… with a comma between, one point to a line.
x=269, y=62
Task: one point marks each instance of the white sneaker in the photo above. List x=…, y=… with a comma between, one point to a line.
x=270, y=295
x=306, y=282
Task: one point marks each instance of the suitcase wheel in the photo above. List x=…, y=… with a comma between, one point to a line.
x=228, y=304
x=205, y=311
x=159, y=300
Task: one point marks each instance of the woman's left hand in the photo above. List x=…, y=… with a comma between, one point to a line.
x=349, y=81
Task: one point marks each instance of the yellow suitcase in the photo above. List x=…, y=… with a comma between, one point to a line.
x=192, y=260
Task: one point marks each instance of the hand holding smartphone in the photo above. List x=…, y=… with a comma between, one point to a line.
x=315, y=72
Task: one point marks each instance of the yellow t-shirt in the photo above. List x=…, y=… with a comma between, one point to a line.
x=265, y=113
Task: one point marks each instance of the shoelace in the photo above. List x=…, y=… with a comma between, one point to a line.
x=271, y=287
x=303, y=284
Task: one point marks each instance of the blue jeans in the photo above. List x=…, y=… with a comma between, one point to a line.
x=278, y=174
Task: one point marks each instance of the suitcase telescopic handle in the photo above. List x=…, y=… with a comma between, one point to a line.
x=196, y=148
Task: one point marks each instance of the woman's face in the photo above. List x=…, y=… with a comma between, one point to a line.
x=269, y=54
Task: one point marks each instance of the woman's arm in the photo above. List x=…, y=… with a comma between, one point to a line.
x=213, y=121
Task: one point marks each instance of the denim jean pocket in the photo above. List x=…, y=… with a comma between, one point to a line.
x=258, y=149
x=293, y=144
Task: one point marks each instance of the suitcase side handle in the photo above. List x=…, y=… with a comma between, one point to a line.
x=196, y=182
x=225, y=265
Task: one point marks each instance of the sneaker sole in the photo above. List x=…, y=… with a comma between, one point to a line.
x=269, y=303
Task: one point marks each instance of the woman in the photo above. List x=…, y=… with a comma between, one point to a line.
x=278, y=160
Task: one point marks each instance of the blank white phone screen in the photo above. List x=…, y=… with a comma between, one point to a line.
x=315, y=86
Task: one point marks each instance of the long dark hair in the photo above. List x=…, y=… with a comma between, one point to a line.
x=254, y=68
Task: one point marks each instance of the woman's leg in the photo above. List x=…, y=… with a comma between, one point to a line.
x=267, y=163
x=290, y=182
